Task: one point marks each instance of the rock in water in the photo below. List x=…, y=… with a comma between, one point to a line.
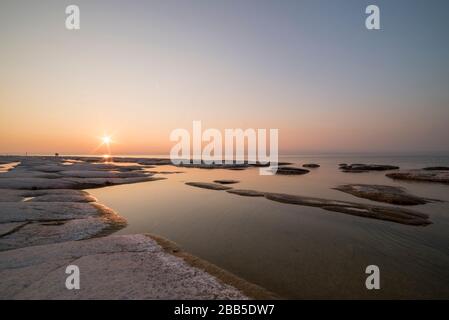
x=436, y=168
x=360, y=167
x=289, y=171
x=247, y=193
x=311, y=165
x=393, y=214
x=226, y=181
x=208, y=185
x=381, y=193
x=425, y=175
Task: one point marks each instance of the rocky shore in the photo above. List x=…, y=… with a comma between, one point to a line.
x=117, y=267
x=47, y=223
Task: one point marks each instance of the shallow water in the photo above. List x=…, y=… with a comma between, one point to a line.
x=297, y=251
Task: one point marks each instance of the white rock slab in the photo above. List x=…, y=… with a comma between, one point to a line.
x=114, y=267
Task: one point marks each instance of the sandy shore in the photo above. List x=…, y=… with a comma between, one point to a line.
x=47, y=223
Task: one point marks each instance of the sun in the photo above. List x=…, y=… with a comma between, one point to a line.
x=106, y=140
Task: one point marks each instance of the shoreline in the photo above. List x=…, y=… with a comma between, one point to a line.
x=43, y=206
x=251, y=290
x=48, y=216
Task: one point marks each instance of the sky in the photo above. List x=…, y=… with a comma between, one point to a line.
x=137, y=70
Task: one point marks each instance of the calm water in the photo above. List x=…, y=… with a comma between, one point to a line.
x=296, y=251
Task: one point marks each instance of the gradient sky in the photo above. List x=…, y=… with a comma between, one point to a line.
x=139, y=69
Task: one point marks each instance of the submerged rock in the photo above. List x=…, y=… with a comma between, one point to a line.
x=208, y=185
x=425, y=175
x=381, y=193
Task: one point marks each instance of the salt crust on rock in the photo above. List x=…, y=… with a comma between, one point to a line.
x=113, y=267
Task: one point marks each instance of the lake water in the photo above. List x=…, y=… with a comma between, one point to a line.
x=296, y=251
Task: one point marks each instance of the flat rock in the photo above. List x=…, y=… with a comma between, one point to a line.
x=34, y=223
x=424, y=175
x=259, y=164
x=103, y=174
x=214, y=165
x=44, y=211
x=360, y=167
x=436, y=168
x=247, y=193
x=226, y=181
x=393, y=214
x=45, y=195
x=208, y=185
x=38, y=233
x=145, y=161
x=165, y=172
x=34, y=217
x=291, y=171
x=68, y=182
x=63, y=198
x=7, y=228
x=39, y=203
x=7, y=195
x=382, y=193
x=114, y=267
x=51, y=168
x=311, y=165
